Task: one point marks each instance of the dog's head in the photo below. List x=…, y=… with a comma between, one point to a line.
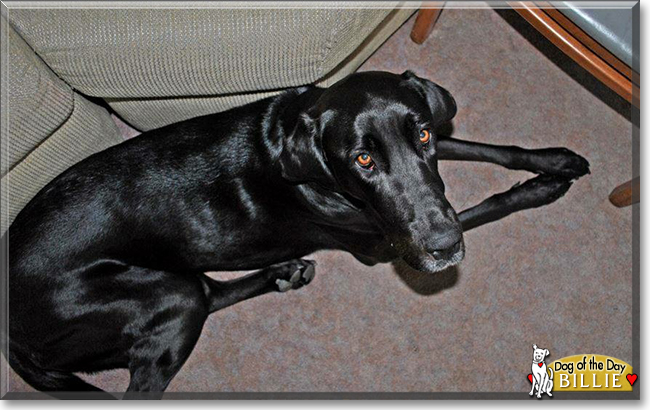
x=539, y=354
x=371, y=137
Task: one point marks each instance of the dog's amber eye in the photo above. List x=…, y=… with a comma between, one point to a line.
x=365, y=161
x=425, y=136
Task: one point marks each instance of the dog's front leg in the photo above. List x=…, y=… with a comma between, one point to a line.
x=542, y=384
x=558, y=166
x=280, y=277
x=536, y=192
x=552, y=161
x=532, y=389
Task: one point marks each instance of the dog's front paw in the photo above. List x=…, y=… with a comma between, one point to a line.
x=293, y=274
x=539, y=191
x=562, y=162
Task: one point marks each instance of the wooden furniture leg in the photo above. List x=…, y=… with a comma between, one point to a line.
x=626, y=194
x=571, y=45
x=425, y=20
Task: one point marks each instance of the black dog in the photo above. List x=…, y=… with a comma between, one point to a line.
x=107, y=261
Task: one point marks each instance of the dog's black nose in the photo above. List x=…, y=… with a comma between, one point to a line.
x=447, y=252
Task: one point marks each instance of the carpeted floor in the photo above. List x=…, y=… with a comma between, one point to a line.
x=558, y=276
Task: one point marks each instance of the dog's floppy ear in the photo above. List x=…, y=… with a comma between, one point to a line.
x=547, y=352
x=534, y=347
x=440, y=101
x=302, y=158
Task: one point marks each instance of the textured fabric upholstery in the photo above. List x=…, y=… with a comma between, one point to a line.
x=89, y=129
x=37, y=102
x=146, y=114
x=158, y=66
x=127, y=53
x=46, y=126
x=149, y=113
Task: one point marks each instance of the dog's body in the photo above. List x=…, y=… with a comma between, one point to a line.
x=107, y=261
x=541, y=377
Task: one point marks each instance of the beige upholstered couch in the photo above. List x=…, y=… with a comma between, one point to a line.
x=154, y=66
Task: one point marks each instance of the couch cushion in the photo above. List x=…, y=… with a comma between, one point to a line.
x=89, y=129
x=153, y=53
x=36, y=104
x=149, y=113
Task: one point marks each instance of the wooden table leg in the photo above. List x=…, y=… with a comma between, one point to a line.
x=626, y=194
x=425, y=20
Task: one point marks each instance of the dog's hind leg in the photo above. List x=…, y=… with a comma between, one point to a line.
x=552, y=161
x=170, y=333
x=60, y=385
x=165, y=337
x=549, y=384
x=549, y=387
x=536, y=192
x=280, y=277
x=155, y=359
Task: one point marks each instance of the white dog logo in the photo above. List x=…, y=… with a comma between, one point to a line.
x=541, y=379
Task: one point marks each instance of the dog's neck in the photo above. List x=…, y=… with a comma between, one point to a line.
x=328, y=208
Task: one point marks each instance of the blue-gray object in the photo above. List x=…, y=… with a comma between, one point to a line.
x=610, y=24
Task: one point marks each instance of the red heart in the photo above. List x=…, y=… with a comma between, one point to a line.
x=540, y=364
x=631, y=378
x=530, y=378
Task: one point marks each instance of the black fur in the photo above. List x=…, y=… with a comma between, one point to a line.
x=107, y=261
